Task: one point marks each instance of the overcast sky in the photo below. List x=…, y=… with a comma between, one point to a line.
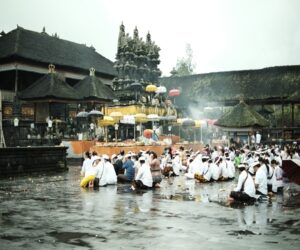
x=224, y=34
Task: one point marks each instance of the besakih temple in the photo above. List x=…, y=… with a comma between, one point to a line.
x=131, y=85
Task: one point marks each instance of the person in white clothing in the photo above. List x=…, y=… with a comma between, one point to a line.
x=90, y=173
x=143, y=179
x=277, y=180
x=176, y=164
x=261, y=181
x=194, y=167
x=215, y=171
x=110, y=177
x=245, y=190
x=224, y=170
x=86, y=163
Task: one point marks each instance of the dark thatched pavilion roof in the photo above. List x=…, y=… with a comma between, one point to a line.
x=267, y=85
x=242, y=116
x=45, y=49
x=92, y=89
x=49, y=88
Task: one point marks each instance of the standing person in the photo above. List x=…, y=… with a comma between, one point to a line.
x=129, y=170
x=176, y=164
x=143, y=179
x=155, y=169
x=245, y=190
x=258, y=138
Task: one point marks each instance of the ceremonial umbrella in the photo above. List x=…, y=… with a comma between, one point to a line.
x=292, y=170
x=174, y=93
x=95, y=113
x=82, y=114
x=188, y=123
x=151, y=88
x=136, y=87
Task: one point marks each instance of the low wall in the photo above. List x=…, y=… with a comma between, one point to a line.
x=19, y=160
x=157, y=149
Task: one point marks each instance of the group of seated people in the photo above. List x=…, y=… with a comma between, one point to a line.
x=259, y=168
x=141, y=170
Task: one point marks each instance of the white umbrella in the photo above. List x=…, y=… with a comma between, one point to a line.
x=95, y=113
x=161, y=90
x=82, y=114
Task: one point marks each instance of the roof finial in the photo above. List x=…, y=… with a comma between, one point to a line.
x=51, y=68
x=44, y=30
x=92, y=71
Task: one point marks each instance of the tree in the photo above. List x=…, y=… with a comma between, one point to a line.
x=185, y=65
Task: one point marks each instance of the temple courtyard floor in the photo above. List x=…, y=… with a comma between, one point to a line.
x=52, y=212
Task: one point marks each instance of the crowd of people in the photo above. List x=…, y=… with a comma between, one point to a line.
x=258, y=168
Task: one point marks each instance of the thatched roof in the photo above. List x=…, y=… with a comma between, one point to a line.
x=49, y=87
x=268, y=84
x=43, y=48
x=92, y=89
x=242, y=116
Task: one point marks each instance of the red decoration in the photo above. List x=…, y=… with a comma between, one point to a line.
x=148, y=133
x=174, y=92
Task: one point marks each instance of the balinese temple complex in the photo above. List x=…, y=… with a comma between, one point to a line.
x=54, y=89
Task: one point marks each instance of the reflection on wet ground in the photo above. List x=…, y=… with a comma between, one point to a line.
x=52, y=212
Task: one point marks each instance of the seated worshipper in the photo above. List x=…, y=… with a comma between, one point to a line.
x=90, y=173
x=205, y=176
x=94, y=154
x=118, y=165
x=104, y=177
x=155, y=169
x=245, y=190
x=110, y=174
x=277, y=180
x=86, y=163
x=168, y=169
x=129, y=170
x=270, y=173
x=143, y=179
x=224, y=170
x=215, y=171
x=261, y=181
x=230, y=167
x=194, y=167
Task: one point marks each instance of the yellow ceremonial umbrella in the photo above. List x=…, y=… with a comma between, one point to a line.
x=197, y=123
x=105, y=122
x=116, y=115
x=141, y=118
x=151, y=88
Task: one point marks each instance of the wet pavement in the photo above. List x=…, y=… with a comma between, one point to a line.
x=53, y=212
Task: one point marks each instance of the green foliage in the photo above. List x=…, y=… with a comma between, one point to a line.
x=185, y=65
